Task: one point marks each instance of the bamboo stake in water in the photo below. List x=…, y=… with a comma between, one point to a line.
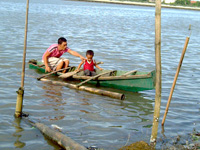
x=175, y=79
x=20, y=92
x=158, y=71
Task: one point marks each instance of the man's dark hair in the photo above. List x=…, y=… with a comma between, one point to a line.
x=61, y=39
x=90, y=52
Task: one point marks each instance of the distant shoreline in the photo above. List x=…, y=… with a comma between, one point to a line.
x=140, y=4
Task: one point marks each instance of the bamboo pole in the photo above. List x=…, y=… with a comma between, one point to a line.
x=59, y=138
x=88, y=89
x=175, y=79
x=158, y=71
x=20, y=92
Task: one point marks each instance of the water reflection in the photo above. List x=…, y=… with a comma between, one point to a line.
x=163, y=131
x=85, y=102
x=136, y=104
x=52, y=93
x=18, y=130
x=139, y=108
x=84, y=111
x=138, y=100
x=53, y=97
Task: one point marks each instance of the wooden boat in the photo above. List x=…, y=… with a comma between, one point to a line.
x=124, y=80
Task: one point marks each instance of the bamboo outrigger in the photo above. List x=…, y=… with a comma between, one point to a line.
x=124, y=80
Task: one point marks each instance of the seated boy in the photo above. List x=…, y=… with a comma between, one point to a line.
x=89, y=64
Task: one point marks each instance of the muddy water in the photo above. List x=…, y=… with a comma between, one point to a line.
x=123, y=38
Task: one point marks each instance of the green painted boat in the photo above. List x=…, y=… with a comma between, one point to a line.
x=124, y=80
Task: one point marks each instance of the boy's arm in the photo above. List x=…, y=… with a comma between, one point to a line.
x=79, y=66
x=98, y=67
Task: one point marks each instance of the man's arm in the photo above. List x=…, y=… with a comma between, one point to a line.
x=74, y=53
x=47, y=68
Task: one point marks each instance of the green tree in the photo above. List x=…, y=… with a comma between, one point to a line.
x=197, y=4
x=182, y=2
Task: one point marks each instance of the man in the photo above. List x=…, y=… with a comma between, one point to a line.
x=51, y=57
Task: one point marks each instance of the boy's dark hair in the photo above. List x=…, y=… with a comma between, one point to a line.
x=90, y=52
x=61, y=39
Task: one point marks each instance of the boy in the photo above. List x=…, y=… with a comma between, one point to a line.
x=89, y=64
x=51, y=57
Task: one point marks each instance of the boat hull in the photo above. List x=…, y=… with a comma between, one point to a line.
x=134, y=85
x=138, y=82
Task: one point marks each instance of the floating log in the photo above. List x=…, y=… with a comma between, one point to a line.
x=61, y=139
x=88, y=89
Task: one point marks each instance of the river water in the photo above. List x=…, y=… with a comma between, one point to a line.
x=122, y=36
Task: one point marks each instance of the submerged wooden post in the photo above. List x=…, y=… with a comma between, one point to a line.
x=175, y=79
x=20, y=92
x=158, y=71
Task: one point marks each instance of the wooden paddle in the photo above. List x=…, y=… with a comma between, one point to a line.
x=53, y=72
x=94, y=77
x=41, y=65
x=69, y=74
x=130, y=72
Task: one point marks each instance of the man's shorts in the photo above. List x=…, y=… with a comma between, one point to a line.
x=53, y=62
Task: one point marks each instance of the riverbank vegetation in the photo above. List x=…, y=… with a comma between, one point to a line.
x=176, y=3
x=186, y=3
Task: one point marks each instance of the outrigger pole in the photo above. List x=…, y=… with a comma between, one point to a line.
x=20, y=92
x=158, y=72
